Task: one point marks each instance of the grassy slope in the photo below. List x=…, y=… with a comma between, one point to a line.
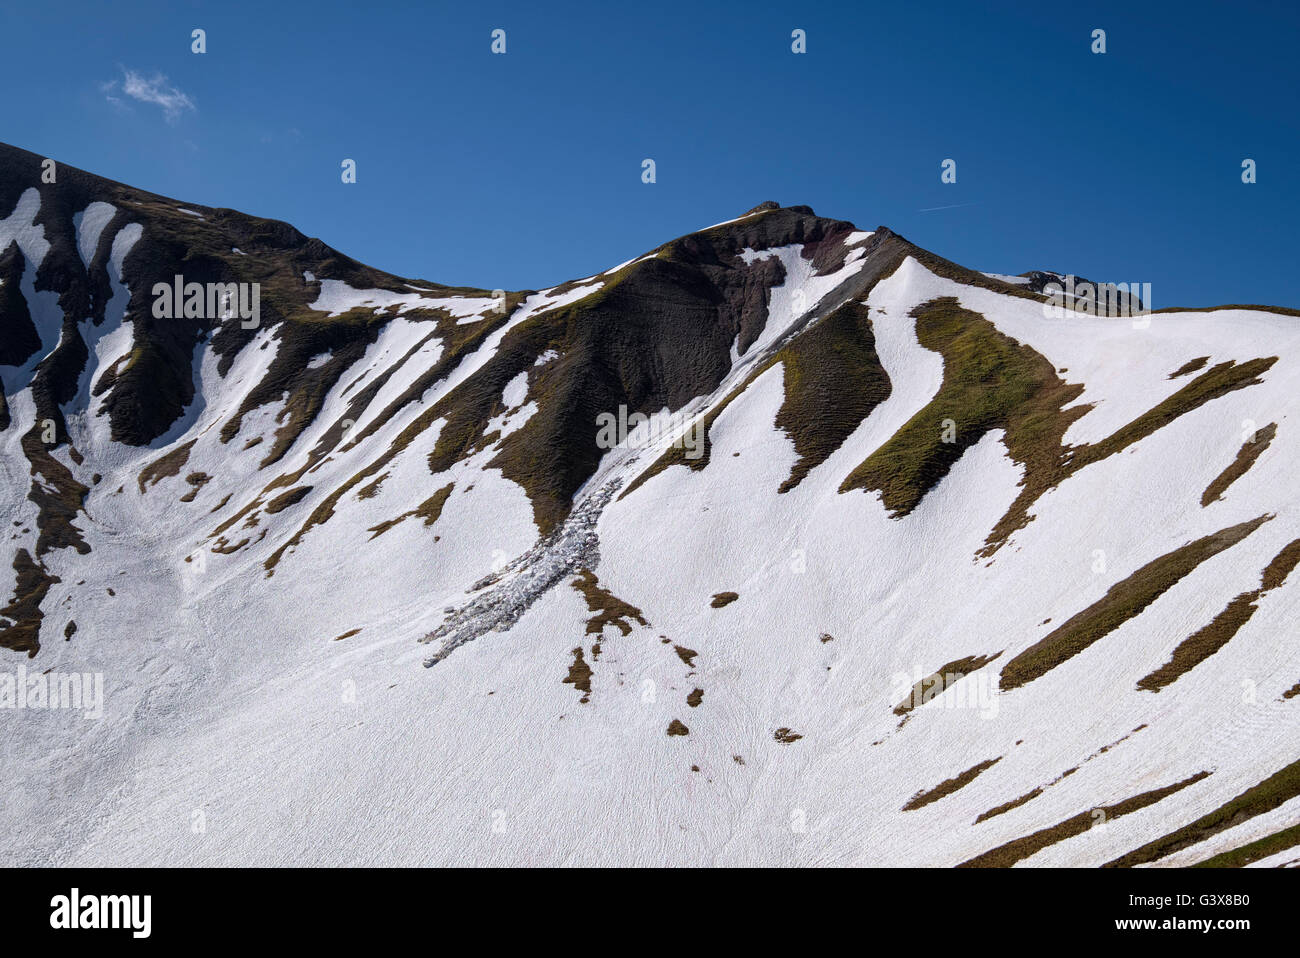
x=992, y=382
x=1277, y=789
x=1123, y=601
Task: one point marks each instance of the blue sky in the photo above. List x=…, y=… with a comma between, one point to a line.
x=523, y=170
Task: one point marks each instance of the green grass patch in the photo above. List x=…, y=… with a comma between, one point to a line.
x=1276, y=790
x=170, y=464
x=833, y=380
x=287, y=499
x=1004, y=856
x=607, y=608
x=23, y=614
x=1254, y=851
x=1008, y=806
x=1218, y=381
x=429, y=510
x=1123, y=601
x=1191, y=366
x=1249, y=452
x=948, y=786
x=1206, y=641
x=944, y=677
x=989, y=382
x=992, y=382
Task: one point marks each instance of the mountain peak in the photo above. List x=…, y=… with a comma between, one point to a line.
x=773, y=205
x=689, y=472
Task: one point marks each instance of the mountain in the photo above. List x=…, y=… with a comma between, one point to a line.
x=784, y=543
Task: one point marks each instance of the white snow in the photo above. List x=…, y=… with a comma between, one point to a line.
x=632, y=262
x=89, y=224
x=1006, y=278
x=515, y=391
x=337, y=297
x=20, y=226
x=736, y=220
x=489, y=758
x=802, y=290
x=107, y=343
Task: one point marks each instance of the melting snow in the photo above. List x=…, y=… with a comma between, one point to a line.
x=898, y=595
x=515, y=391
x=337, y=297
x=1013, y=280
x=21, y=226
x=89, y=223
x=802, y=289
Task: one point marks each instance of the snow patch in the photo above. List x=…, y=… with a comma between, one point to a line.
x=515, y=392
x=1013, y=280
x=89, y=224
x=337, y=297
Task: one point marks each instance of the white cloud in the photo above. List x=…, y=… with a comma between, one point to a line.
x=157, y=90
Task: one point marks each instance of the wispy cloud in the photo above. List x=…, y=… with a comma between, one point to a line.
x=156, y=89
x=954, y=206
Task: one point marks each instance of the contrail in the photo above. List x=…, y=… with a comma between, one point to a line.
x=953, y=207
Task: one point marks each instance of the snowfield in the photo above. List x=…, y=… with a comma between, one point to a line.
x=408, y=696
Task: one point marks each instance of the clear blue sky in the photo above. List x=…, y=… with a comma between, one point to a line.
x=523, y=170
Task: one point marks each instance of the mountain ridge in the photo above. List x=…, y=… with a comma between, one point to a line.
x=839, y=461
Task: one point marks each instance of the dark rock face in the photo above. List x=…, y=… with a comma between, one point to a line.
x=1128, y=302
x=18, y=337
x=147, y=392
x=657, y=334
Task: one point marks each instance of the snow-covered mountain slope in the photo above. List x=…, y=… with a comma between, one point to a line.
x=896, y=568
